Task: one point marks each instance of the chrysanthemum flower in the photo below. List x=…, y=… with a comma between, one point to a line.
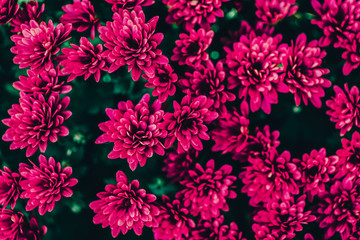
x=8, y=9
x=208, y=80
x=163, y=82
x=45, y=82
x=344, y=108
x=129, y=4
x=207, y=190
x=231, y=134
x=281, y=218
x=339, y=208
x=315, y=169
x=193, y=13
x=85, y=59
x=271, y=178
x=255, y=63
x=124, y=207
x=303, y=72
x=134, y=130
x=273, y=11
x=35, y=121
x=174, y=221
x=190, y=49
x=37, y=43
x=9, y=187
x=352, y=52
x=186, y=124
x=32, y=230
x=130, y=41
x=45, y=184
x=10, y=224
x=81, y=15
x=28, y=11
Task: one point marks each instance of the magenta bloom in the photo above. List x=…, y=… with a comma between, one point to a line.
x=281, y=218
x=124, y=207
x=163, y=82
x=9, y=188
x=83, y=60
x=43, y=82
x=174, y=221
x=129, y=4
x=35, y=121
x=186, y=124
x=193, y=13
x=81, y=15
x=190, y=49
x=37, y=43
x=303, y=72
x=315, y=169
x=46, y=184
x=344, y=108
x=11, y=224
x=232, y=132
x=209, y=81
x=8, y=9
x=131, y=41
x=134, y=130
x=255, y=64
x=207, y=190
x=352, y=52
x=32, y=230
x=339, y=208
x=28, y=11
x=273, y=11
x=271, y=178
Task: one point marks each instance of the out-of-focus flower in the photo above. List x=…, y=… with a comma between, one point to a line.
x=174, y=221
x=8, y=9
x=125, y=206
x=308, y=236
x=273, y=11
x=85, y=59
x=45, y=82
x=35, y=121
x=352, y=52
x=28, y=11
x=344, y=108
x=163, y=82
x=45, y=184
x=37, y=43
x=190, y=49
x=81, y=15
x=31, y=230
x=9, y=187
x=129, y=4
x=134, y=130
x=303, y=72
x=130, y=41
x=10, y=224
x=186, y=124
x=193, y=13
x=207, y=190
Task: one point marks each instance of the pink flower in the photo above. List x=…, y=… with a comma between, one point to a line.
x=32, y=230
x=129, y=4
x=46, y=184
x=35, y=121
x=44, y=82
x=303, y=72
x=130, y=41
x=81, y=15
x=186, y=124
x=190, y=49
x=344, y=108
x=134, y=130
x=193, y=13
x=9, y=187
x=36, y=44
x=83, y=60
x=124, y=207
x=273, y=11
x=271, y=178
x=207, y=190
x=174, y=221
x=8, y=9
x=28, y=11
x=352, y=52
x=163, y=82
x=254, y=66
